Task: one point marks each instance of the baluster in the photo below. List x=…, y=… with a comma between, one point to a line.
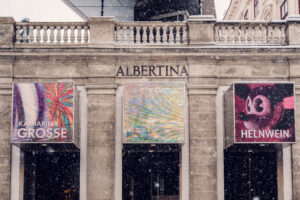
x=270, y=34
x=217, y=34
x=249, y=34
x=263, y=34
x=144, y=36
x=151, y=35
x=164, y=36
x=128, y=36
x=243, y=34
x=172, y=35
x=276, y=35
x=138, y=35
x=85, y=34
x=79, y=34
x=122, y=32
x=177, y=35
x=31, y=34
x=89, y=36
x=59, y=35
x=184, y=35
x=223, y=35
x=38, y=34
x=236, y=34
x=131, y=34
x=52, y=37
x=18, y=34
x=72, y=34
x=229, y=34
x=45, y=36
x=257, y=34
x=118, y=34
x=26, y=34
x=65, y=35
x=75, y=34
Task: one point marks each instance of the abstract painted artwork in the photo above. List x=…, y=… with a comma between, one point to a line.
x=43, y=112
x=264, y=112
x=153, y=113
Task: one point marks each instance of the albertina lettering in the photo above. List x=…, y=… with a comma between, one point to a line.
x=151, y=70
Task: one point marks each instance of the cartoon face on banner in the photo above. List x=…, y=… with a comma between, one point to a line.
x=153, y=113
x=264, y=112
x=42, y=112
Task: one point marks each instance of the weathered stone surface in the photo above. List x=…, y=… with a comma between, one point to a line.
x=208, y=66
x=7, y=32
x=101, y=156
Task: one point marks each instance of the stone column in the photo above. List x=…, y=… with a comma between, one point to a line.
x=293, y=30
x=201, y=30
x=6, y=64
x=296, y=150
x=102, y=30
x=101, y=142
x=5, y=147
x=203, y=147
x=7, y=32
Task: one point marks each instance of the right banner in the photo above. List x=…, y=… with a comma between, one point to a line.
x=264, y=112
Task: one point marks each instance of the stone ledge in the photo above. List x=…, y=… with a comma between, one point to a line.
x=94, y=89
x=7, y=20
x=202, y=89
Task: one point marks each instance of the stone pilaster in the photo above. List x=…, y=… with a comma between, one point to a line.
x=101, y=141
x=102, y=31
x=5, y=147
x=201, y=30
x=203, y=148
x=7, y=32
x=293, y=30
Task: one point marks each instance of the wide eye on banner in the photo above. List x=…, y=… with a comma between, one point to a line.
x=153, y=113
x=43, y=113
x=264, y=112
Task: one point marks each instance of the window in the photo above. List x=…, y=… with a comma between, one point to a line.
x=250, y=172
x=256, y=10
x=246, y=15
x=284, y=9
x=151, y=171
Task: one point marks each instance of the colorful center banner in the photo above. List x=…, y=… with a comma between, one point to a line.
x=264, y=112
x=153, y=113
x=42, y=112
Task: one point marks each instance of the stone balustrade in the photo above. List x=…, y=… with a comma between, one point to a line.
x=151, y=33
x=39, y=33
x=251, y=33
x=106, y=32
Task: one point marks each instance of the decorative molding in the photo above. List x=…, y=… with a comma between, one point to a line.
x=202, y=89
x=95, y=89
x=297, y=89
x=5, y=89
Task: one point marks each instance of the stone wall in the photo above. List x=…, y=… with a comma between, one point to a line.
x=95, y=67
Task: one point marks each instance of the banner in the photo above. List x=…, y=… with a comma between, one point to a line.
x=43, y=112
x=264, y=112
x=153, y=113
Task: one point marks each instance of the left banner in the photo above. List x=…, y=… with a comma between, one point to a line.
x=43, y=113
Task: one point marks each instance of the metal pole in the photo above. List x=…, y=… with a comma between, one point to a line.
x=200, y=7
x=102, y=6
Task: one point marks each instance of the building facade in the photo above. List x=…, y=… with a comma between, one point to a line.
x=262, y=10
x=151, y=10
x=151, y=109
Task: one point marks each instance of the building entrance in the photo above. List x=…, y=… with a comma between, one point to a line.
x=151, y=172
x=250, y=172
x=51, y=172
